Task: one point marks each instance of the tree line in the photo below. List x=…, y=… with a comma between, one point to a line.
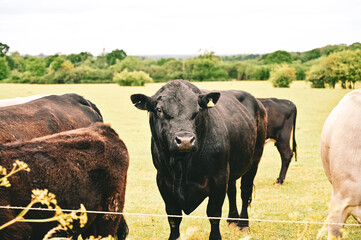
x=326, y=66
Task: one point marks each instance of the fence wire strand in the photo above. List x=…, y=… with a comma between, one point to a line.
x=185, y=216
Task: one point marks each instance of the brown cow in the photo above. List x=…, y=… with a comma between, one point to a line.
x=86, y=165
x=281, y=116
x=341, y=158
x=46, y=115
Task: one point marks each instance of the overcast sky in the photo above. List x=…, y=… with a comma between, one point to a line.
x=147, y=27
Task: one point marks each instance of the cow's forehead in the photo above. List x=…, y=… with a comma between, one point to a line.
x=176, y=90
x=177, y=97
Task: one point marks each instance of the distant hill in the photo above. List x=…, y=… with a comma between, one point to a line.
x=302, y=56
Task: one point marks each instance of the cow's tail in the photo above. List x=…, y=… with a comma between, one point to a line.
x=294, y=145
x=123, y=229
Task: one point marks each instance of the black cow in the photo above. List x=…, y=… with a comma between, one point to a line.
x=46, y=115
x=281, y=115
x=86, y=165
x=200, y=151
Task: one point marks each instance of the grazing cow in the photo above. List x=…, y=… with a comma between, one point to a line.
x=341, y=158
x=200, y=151
x=85, y=165
x=281, y=115
x=46, y=115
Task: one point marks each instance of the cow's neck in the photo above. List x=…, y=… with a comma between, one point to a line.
x=190, y=192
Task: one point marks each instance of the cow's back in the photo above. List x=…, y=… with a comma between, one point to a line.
x=244, y=120
x=278, y=112
x=47, y=115
x=83, y=166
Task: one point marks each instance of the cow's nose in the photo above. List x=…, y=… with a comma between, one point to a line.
x=185, y=143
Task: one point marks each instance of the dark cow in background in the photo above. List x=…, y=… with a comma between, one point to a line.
x=200, y=151
x=46, y=115
x=281, y=116
x=86, y=165
x=341, y=158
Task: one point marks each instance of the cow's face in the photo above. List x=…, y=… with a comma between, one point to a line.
x=176, y=115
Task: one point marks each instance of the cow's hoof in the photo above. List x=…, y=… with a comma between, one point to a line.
x=231, y=224
x=278, y=182
x=243, y=229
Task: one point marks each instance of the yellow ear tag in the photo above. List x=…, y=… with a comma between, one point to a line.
x=210, y=103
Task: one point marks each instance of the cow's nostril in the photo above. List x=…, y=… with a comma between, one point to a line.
x=185, y=143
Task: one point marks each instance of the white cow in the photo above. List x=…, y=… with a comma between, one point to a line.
x=19, y=100
x=341, y=158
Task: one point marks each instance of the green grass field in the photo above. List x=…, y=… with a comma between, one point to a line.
x=304, y=196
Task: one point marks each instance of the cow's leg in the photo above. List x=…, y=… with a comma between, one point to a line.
x=174, y=222
x=172, y=208
x=246, y=195
x=283, y=147
x=337, y=214
x=214, y=208
x=232, y=199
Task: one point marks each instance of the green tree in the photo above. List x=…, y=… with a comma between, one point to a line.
x=77, y=59
x=135, y=78
x=57, y=62
x=131, y=63
x=205, y=67
x=11, y=62
x=36, y=66
x=67, y=65
x=251, y=71
x=3, y=49
x=277, y=57
x=162, y=61
x=355, y=46
x=4, y=68
x=327, y=50
x=100, y=62
x=316, y=76
x=243, y=71
x=309, y=55
x=300, y=71
x=174, y=69
x=231, y=69
x=114, y=55
x=282, y=76
x=343, y=67
x=156, y=72
x=19, y=62
x=347, y=67
x=49, y=59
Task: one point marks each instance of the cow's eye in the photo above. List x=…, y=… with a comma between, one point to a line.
x=158, y=110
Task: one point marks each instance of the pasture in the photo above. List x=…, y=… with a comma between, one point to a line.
x=304, y=196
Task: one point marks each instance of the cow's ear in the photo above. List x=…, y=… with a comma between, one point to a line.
x=141, y=101
x=208, y=100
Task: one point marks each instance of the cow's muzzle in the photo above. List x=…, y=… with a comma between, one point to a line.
x=185, y=142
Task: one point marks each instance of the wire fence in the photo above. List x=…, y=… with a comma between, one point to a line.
x=186, y=216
